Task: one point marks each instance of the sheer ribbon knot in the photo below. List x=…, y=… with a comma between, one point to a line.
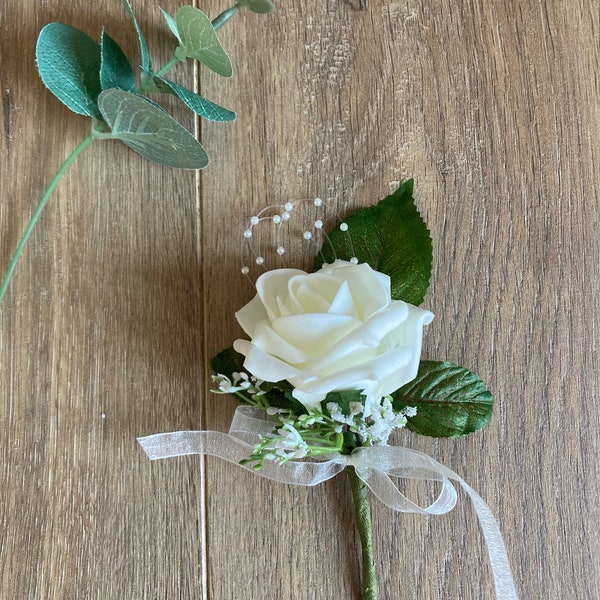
x=375, y=465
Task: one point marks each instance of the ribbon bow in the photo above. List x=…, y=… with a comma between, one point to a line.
x=375, y=465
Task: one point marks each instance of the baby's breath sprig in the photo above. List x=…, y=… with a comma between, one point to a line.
x=245, y=387
x=340, y=427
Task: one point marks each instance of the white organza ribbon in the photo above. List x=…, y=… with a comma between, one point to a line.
x=375, y=465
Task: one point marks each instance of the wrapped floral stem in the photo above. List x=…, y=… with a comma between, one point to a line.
x=362, y=506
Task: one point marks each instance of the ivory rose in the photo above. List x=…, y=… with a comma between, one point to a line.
x=333, y=330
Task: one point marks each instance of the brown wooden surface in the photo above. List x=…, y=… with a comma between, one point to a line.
x=131, y=279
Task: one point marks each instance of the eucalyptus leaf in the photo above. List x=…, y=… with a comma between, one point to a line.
x=451, y=401
x=68, y=61
x=201, y=106
x=146, y=61
x=260, y=6
x=172, y=24
x=116, y=70
x=150, y=131
x=392, y=238
x=199, y=41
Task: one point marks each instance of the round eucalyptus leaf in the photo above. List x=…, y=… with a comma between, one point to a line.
x=69, y=61
x=199, y=40
x=260, y=6
x=150, y=130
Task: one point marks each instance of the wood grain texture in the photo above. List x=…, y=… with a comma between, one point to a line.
x=131, y=280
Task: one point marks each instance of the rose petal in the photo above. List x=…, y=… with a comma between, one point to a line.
x=370, y=290
x=263, y=365
x=314, y=333
x=368, y=335
x=267, y=338
x=356, y=377
x=411, y=332
x=373, y=378
x=250, y=315
x=343, y=303
x=272, y=284
x=308, y=295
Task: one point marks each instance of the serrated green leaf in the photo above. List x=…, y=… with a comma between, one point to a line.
x=392, y=238
x=150, y=131
x=200, y=41
x=115, y=70
x=201, y=106
x=451, y=401
x=145, y=53
x=172, y=24
x=68, y=61
x=260, y=6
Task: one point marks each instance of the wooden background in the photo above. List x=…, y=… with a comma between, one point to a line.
x=132, y=276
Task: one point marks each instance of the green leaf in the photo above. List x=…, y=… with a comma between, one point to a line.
x=116, y=71
x=343, y=399
x=172, y=24
x=201, y=106
x=200, y=41
x=228, y=362
x=146, y=61
x=150, y=130
x=260, y=6
x=451, y=401
x=68, y=61
x=392, y=238
x=280, y=395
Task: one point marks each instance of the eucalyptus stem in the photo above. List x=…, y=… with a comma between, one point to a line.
x=221, y=19
x=168, y=66
x=360, y=494
x=38, y=211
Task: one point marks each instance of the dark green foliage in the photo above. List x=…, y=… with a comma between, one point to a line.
x=451, y=401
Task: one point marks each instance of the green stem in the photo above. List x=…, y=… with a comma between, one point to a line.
x=221, y=19
x=168, y=66
x=360, y=494
x=39, y=209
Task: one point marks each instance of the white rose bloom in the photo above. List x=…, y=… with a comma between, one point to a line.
x=333, y=330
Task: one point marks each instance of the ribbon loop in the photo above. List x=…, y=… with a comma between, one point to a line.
x=375, y=465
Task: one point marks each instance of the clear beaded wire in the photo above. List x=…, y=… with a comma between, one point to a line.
x=271, y=250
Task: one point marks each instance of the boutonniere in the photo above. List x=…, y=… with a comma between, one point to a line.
x=331, y=365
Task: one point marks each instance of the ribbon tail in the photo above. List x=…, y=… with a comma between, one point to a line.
x=503, y=579
x=375, y=464
x=182, y=443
